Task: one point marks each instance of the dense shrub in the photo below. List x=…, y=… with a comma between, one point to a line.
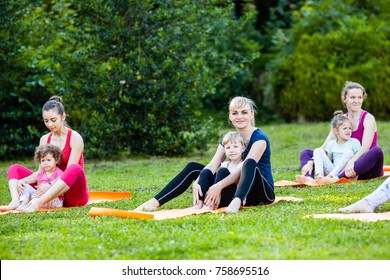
x=329, y=43
x=133, y=74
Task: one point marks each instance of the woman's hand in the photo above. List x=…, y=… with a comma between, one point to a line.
x=41, y=189
x=308, y=167
x=350, y=170
x=196, y=192
x=20, y=186
x=213, y=196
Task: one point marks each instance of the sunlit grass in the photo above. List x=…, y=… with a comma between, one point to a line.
x=275, y=232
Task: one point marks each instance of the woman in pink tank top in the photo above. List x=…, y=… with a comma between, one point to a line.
x=73, y=183
x=368, y=161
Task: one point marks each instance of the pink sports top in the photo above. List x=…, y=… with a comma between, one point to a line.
x=66, y=152
x=358, y=133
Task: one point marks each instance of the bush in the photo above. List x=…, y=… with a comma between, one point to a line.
x=133, y=74
x=331, y=42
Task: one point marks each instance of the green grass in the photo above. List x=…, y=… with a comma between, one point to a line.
x=278, y=232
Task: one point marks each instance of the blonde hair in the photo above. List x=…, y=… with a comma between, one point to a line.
x=43, y=150
x=241, y=101
x=233, y=137
x=351, y=85
x=339, y=118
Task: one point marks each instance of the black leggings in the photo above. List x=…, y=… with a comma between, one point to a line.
x=207, y=179
x=180, y=183
x=252, y=188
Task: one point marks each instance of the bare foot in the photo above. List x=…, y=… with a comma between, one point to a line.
x=327, y=180
x=234, y=206
x=149, y=206
x=11, y=206
x=32, y=206
x=197, y=206
x=361, y=206
x=353, y=179
x=207, y=207
x=303, y=179
x=22, y=205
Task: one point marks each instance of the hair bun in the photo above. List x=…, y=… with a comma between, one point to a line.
x=56, y=98
x=338, y=112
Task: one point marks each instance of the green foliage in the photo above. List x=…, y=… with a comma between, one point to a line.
x=331, y=42
x=133, y=74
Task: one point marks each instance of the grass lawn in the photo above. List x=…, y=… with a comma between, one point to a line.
x=278, y=232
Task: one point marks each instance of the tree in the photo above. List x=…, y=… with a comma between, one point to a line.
x=132, y=73
x=329, y=43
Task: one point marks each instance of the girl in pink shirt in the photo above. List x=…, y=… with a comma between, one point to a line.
x=48, y=157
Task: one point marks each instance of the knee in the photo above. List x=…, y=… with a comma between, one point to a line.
x=14, y=171
x=377, y=152
x=74, y=169
x=317, y=151
x=194, y=166
x=14, y=167
x=74, y=166
x=206, y=172
x=306, y=153
x=223, y=172
x=250, y=162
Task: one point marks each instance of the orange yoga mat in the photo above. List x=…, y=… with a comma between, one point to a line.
x=364, y=217
x=286, y=183
x=166, y=214
x=94, y=197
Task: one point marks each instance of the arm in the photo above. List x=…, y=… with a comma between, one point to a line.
x=308, y=167
x=27, y=180
x=329, y=138
x=217, y=159
x=256, y=152
x=77, y=145
x=213, y=165
x=33, y=177
x=368, y=137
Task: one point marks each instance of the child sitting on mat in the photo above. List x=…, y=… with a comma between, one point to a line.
x=48, y=156
x=234, y=146
x=329, y=163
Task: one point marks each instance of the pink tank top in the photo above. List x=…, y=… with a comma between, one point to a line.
x=66, y=152
x=358, y=133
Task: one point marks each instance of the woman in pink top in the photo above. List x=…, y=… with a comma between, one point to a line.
x=367, y=163
x=73, y=183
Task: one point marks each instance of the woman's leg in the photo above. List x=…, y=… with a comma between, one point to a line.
x=77, y=195
x=15, y=173
x=369, y=166
x=252, y=189
x=371, y=201
x=177, y=186
x=72, y=184
x=305, y=156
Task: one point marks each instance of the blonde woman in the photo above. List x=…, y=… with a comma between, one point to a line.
x=251, y=184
